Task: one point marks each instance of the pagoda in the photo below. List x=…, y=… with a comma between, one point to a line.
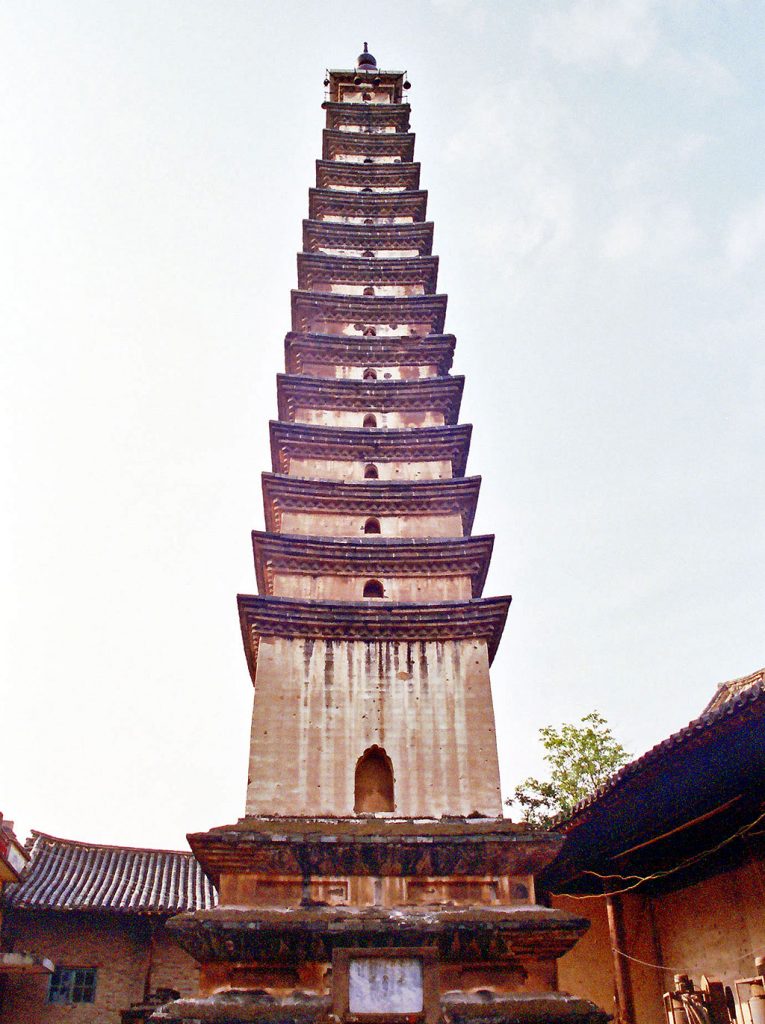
x=373, y=877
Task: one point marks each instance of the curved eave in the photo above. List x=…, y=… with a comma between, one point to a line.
x=457, y=933
x=351, y=444
x=428, y=394
x=395, y=350
x=390, y=557
x=363, y=114
x=327, y=202
x=310, y=307
x=370, y=498
x=369, y=621
x=318, y=233
x=397, y=144
x=331, y=173
x=368, y=845
x=317, y=268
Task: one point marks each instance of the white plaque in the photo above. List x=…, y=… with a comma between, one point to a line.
x=379, y=985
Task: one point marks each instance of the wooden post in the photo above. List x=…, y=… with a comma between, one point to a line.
x=624, y=1001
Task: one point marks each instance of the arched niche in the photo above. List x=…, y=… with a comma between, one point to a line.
x=373, y=786
x=374, y=588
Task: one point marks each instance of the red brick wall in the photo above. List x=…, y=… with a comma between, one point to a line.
x=116, y=945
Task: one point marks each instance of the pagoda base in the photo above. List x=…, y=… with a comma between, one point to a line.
x=345, y=920
x=455, y=1008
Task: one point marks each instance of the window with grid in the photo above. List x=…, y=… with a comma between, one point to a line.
x=72, y=985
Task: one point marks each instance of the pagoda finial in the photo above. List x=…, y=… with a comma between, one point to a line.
x=365, y=61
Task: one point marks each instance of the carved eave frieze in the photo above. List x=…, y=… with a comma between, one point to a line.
x=312, y=308
x=369, y=621
x=319, y=556
x=368, y=115
x=429, y=394
x=397, y=145
x=331, y=174
x=399, y=350
x=391, y=82
x=297, y=934
x=370, y=498
x=357, y=444
x=332, y=203
x=399, y=847
x=316, y=269
x=319, y=234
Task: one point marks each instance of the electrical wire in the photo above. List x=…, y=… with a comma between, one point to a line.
x=680, y=970
x=639, y=880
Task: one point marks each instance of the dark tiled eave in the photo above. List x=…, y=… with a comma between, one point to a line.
x=331, y=173
x=417, y=236
x=318, y=268
x=416, y=847
x=700, y=731
x=371, y=498
x=364, y=114
x=69, y=875
x=369, y=621
x=399, y=350
x=428, y=394
x=328, y=202
x=398, y=144
x=422, y=444
x=452, y=556
x=312, y=308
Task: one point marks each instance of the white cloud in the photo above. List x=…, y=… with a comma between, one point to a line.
x=600, y=31
x=522, y=130
x=626, y=32
x=657, y=234
x=745, y=241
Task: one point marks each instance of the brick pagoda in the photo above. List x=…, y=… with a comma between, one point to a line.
x=373, y=876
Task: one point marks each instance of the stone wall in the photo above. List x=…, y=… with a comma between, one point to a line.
x=117, y=945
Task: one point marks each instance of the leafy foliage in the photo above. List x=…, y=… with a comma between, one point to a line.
x=581, y=757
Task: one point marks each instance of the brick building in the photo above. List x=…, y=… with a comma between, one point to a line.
x=98, y=914
x=667, y=860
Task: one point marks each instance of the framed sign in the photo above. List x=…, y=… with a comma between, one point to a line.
x=371, y=985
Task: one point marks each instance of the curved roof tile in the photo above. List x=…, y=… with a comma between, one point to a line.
x=68, y=875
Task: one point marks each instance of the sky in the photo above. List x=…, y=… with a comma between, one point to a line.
x=594, y=170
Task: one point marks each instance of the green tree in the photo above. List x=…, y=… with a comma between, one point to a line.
x=581, y=757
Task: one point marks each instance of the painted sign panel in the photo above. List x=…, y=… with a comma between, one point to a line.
x=377, y=985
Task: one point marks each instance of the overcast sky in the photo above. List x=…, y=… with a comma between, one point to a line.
x=595, y=172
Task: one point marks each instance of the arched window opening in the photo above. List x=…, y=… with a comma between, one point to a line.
x=370, y=420
x=368, y=254
x=370, y=332
x=370, y=472
x=373, y=588
x=373, y=789
x=369, y=290
x=367, y=188
x=369, y=220
x=372, y=525
x=370, y=373
x=368, y=160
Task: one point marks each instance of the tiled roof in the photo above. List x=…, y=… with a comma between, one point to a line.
x=68, y=875
x=740, y=700
x=734, y=687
